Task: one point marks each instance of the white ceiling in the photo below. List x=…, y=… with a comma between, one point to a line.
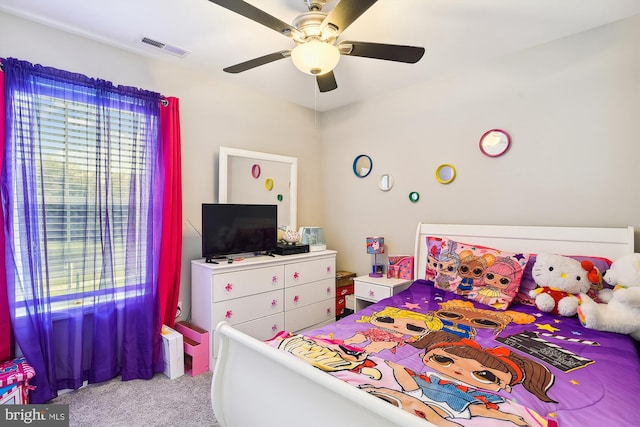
x=455, y=33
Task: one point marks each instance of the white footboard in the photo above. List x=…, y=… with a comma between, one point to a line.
x=257, y=385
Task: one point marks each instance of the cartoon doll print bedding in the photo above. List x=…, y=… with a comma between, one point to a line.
x=456, y=362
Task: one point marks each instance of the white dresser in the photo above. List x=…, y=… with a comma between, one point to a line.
x=263, y=295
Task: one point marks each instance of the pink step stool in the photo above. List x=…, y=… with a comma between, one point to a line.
x=196, y=348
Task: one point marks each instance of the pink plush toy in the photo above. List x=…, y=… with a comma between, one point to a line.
x=560, y=280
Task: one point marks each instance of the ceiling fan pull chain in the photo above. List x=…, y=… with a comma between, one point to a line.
x=315, y=105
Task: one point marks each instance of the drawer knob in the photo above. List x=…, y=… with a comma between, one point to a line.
x=329, y=311
x=274, y=328
x=228, y=314
x=372, y=294
x=229, y=287
x=329, y=269
x=296, y=298
x=274, y=303
x=329, y=290
x=296, y=275
x=274, y=280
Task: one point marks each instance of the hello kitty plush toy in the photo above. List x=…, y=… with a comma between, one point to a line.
x=622, y=312
x=560, y=280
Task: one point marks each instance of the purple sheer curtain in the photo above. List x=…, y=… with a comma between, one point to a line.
x=6, y=349
x=103, y=323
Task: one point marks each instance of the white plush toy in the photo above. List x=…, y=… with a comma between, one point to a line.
x=560, y=280
x=622, y=313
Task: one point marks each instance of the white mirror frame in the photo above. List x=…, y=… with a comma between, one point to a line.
x=223, y=177
x=385, y=183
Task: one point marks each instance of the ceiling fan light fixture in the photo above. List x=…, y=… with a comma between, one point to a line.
x=315, y=57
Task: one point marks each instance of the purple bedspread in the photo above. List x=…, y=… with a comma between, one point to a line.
x=457, y=362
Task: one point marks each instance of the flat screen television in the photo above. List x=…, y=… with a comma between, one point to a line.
x=229, y=229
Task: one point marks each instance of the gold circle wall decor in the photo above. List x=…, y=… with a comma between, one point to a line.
x=268, y=184
x=445, y=173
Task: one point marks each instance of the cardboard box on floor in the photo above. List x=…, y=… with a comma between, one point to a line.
x=344, y=278
x=173, y=352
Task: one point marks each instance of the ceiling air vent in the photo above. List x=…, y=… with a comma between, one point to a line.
x=172, y=49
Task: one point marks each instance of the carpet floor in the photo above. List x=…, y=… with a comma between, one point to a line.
x=159, y=401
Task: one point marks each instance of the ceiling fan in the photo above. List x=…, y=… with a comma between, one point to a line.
x=316, y=33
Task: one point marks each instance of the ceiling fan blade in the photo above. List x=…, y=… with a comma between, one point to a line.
x=388, y=52
x=252, y=63
x=326, y=82
x=249, y=11
x=345, y=12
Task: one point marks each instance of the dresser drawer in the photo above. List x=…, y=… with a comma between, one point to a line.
x=371, y=292
x=310, y=271
x=264, y=328
x=302, y=318
x=299, y=296
x=240, y=310
x=247, y=282
x=261, y=329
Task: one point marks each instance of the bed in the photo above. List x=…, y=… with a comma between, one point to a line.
x=550, y=369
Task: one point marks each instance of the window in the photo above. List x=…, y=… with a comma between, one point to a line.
x=83, y=189
x=86, y=180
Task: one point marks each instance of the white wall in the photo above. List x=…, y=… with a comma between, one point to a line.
x=572, y=108
x=212, y=115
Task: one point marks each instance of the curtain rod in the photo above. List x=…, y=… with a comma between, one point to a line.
x=164, y=101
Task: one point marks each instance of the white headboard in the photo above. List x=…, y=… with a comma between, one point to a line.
x=610, y=243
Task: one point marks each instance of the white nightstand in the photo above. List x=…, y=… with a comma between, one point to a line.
x=372, y=289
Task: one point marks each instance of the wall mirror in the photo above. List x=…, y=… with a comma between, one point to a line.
x=495, y=142
x=445, y=173
x=385, y=183
x=362, y=165
x=237, y=181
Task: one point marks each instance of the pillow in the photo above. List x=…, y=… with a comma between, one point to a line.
x=528, y=284
x=486, y=275
x=433, y=252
